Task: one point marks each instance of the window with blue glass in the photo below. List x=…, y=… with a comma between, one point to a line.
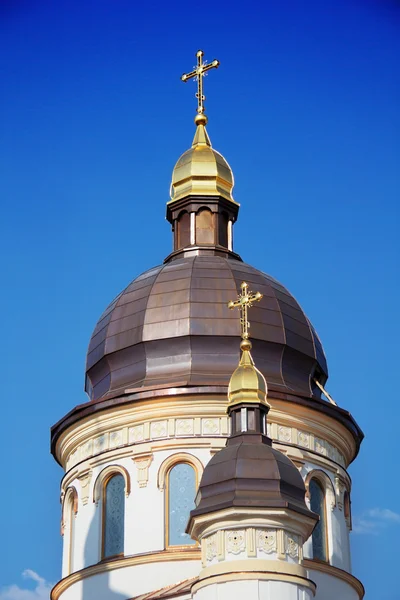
x=181, y=494
x=113, y=516
x=319, y=536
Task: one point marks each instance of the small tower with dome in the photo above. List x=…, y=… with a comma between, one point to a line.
x=178, y=410
x=251, y=518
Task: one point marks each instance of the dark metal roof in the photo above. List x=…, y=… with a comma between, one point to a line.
x=171, y=327
x=249, y=473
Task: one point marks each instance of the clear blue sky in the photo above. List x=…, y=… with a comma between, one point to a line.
x=93, y=118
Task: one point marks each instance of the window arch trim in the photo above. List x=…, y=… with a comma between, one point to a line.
x=103, y=489
x=70, y=496
x=325, y=481
x=104, y=476
x=69, y=512
x=171, y=461
x=167, y=507
x=328, y=490
x=205, y=235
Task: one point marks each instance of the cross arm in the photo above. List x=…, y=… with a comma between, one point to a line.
x=233, y=304
x=255, y=297
x=212, y=65
x=187, y=76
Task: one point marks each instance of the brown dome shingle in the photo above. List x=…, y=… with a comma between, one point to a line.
x=171, y=326
x=249, y=473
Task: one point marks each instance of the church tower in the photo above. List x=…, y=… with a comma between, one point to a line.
x=200, y=467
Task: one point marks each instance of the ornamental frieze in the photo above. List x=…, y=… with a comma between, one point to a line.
x=253, y=543
x=194, y=427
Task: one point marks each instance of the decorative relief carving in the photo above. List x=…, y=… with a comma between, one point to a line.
x=284, y=434
x=210, y=426
x=86, y=449
x=304, y=439
x=184, y=427
x=211, y=547
x=115, y=438
x=158, y=429
x=235, y=541
x=136, y=434
x=340, y=488
x=320, y=446
x=266, y=540
x=143, y=462
x=72, y=459
x=292, y=546
x=190, y=427
x=85, y=479
x=100, y=443
x=251, y=541
x=331, y=452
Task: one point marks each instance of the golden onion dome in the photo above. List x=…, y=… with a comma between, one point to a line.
x=201, y=170
x=247, y=383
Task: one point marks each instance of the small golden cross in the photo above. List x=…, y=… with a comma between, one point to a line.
x=198, y=73
x=244, y=302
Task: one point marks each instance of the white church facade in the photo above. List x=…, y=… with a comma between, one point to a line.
x=198, y=469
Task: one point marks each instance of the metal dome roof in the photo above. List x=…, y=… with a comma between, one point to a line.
x=249, y=473
x=171, y=327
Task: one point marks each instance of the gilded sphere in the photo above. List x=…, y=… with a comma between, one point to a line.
x=245, y=345
x=200, y=119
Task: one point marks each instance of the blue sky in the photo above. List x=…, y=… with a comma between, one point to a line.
x=93, y=118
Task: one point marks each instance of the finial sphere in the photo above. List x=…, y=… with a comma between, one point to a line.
x=245, y=345
x=200, y=119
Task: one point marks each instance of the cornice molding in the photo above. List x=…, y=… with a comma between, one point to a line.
x=314, y=565
x=139, y=398
x=139, y=428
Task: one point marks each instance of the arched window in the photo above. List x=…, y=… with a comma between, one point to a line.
x=113, y=515
x=317, y=505
x=205, y=233
x=70, y=510
x=183, y=230
x=71, y=519
x=180, y=495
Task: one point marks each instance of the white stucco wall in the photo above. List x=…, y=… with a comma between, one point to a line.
x=254, y=590
x=332, y=588
x=145, y=528
x=122, y=584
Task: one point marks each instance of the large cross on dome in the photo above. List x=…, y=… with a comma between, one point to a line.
x=198, y=73
x=243, y=303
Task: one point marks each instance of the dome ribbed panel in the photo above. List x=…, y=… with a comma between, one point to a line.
x=171, y=326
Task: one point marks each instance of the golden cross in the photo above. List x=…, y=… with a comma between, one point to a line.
x=243, y=303
x=198, y=73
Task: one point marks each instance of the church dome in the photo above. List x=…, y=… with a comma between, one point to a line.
x=171, y=327
x=249, y=473
x=201, y=170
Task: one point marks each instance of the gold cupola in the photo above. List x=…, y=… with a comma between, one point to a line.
x=201, y=208
x=201, y=170
x=247, y=384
